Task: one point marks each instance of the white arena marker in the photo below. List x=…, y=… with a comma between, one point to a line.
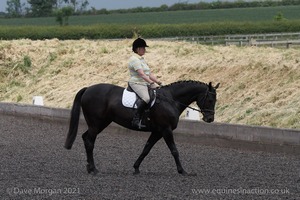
x=38, y=101
x=192, y=114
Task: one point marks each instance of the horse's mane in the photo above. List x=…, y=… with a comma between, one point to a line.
x=184, y=82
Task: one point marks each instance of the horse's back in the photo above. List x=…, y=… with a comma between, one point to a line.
x=100, y=94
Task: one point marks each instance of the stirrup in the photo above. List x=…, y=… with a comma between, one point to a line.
x=138, y=125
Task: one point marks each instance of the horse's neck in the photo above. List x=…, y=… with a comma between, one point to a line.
x=187, y=94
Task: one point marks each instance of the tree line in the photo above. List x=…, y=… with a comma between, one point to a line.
x=64, y=8
x=202, y=6
x=42, y=8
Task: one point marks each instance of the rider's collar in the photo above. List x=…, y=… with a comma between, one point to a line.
x=138, y=56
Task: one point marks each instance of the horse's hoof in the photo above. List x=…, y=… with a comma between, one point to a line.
x=182, y=172
x=92, y=170
x=136, y=172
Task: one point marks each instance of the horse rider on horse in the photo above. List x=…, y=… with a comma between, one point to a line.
x=140, y=78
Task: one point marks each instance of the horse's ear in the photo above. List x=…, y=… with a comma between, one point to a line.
x=209, y=85
x=217, y=86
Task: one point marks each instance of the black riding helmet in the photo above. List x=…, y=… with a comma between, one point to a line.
x=138, y=43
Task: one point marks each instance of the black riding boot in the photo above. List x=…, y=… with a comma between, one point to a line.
x=137, y=116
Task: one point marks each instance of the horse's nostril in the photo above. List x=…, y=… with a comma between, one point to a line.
x=208, y=119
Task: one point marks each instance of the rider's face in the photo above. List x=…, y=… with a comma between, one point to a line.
x=141, y=51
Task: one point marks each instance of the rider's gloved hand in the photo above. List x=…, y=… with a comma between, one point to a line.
x=154, y=85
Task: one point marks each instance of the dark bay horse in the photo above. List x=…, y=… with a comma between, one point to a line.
x=101, y=104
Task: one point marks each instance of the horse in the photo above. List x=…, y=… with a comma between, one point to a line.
x=101, y=105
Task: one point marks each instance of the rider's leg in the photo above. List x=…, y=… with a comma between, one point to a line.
x=142, y=91
x=138, y=113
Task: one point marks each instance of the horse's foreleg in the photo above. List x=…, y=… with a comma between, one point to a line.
x=154, y=137
x=169, y=139
x=89, y=141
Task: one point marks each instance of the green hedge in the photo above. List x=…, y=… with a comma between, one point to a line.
x=112, y=31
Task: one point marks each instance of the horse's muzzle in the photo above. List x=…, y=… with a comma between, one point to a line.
x=208, y=119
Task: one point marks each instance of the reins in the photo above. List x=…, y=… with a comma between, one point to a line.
x=195, y=109
x=203, y=99
x=182, y=104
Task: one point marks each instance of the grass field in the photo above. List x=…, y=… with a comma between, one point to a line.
x=174, y=17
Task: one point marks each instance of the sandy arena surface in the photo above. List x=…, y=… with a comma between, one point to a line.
x=34, y=165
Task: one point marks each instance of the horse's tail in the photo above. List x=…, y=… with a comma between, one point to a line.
x=74, y=121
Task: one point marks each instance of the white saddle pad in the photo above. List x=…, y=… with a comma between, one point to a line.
x=129, y=99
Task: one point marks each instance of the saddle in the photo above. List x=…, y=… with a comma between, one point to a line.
x=130, y=99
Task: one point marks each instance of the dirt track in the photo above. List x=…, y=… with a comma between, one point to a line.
x=34, y=165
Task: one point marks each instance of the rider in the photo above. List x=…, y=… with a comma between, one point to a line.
x=140, y=77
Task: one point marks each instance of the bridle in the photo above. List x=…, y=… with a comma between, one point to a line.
x=203, y=99
x=207, y=110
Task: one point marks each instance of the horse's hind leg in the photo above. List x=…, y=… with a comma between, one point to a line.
x=89, y=138
x=89, y=141
x=154, y=137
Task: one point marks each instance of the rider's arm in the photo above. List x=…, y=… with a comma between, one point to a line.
x=144, y=76
x=154, y=79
